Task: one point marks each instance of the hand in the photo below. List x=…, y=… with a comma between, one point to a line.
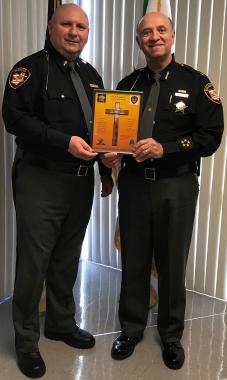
x=107, y=185
x=147, y=148
x=80, y=149
x=111, y=159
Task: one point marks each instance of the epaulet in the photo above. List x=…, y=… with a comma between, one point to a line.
x=186, y=67
x=133, y=75
x=42, y=52
x=83, y=61
x=31, y=58
x=191, y=69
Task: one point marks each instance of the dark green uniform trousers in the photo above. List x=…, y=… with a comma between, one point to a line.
x=52, y=213
x=156, y=217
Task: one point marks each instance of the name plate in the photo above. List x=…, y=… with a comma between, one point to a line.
x=116, y=120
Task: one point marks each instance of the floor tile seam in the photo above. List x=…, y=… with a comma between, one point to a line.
x=155, y=325
x=205, y=316
x=201, y=317
x=103, y=265
x=4, y=300
x=207, y=295
x=107, y=333
x=188, y=290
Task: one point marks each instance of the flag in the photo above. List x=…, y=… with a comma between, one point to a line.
x=52, y=5
x=162, y=6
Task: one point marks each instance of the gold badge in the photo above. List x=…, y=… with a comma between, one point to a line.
x=211, y=93
x=180, y=107
x=18, y=77
x=185, y=143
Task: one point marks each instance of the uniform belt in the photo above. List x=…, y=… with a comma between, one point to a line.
x=154, y=174
x=77, y=169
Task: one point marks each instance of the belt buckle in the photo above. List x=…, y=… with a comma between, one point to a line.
x=150, y=174
x=82, y=171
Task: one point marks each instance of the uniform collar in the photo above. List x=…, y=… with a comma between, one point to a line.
x=60, y=59
x=165, y=73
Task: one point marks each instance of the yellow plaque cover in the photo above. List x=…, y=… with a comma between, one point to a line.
x=116, y=120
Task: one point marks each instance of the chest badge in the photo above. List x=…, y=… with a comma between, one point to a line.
x=18, y=77
x=180, y=106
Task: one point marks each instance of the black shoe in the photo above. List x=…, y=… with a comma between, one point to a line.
x=78, y=338
x=124, y=346
x=173, y=354
x=31, y=364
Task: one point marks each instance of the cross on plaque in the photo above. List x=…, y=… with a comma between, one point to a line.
x=117, y=111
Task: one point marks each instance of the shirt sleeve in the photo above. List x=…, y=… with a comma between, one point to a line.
x=20, y=103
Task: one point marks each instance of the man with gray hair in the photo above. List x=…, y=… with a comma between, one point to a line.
x=182, y=121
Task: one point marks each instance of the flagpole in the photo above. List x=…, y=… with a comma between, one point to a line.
x=145, y=3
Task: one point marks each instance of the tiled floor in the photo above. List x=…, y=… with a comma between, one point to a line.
x=97, y=293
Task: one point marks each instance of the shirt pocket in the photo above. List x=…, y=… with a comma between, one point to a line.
x=60, y=106
x=178, y=109
x=176, y=118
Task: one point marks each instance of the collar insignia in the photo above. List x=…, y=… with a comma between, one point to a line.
x=180, y=106
x=18, y=77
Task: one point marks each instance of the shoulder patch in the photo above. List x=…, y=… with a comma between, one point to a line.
x=211, y=93
x=18, y=77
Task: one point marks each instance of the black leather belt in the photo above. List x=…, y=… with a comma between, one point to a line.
x=154, y=174
x=78, y=170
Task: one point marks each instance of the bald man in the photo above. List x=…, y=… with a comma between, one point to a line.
x=53, y=182
x=158, y=187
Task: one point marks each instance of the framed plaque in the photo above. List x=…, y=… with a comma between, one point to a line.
x=116, y=120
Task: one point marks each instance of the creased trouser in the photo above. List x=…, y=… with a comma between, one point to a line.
x=52, y=213
x=155, y=218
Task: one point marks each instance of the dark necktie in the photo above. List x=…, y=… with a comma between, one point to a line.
x=150, y=109
x=84, y=102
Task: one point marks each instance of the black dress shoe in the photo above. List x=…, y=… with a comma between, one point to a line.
x=124, y=346
x=78, y=338
x=173, y=354
x=31, y=364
